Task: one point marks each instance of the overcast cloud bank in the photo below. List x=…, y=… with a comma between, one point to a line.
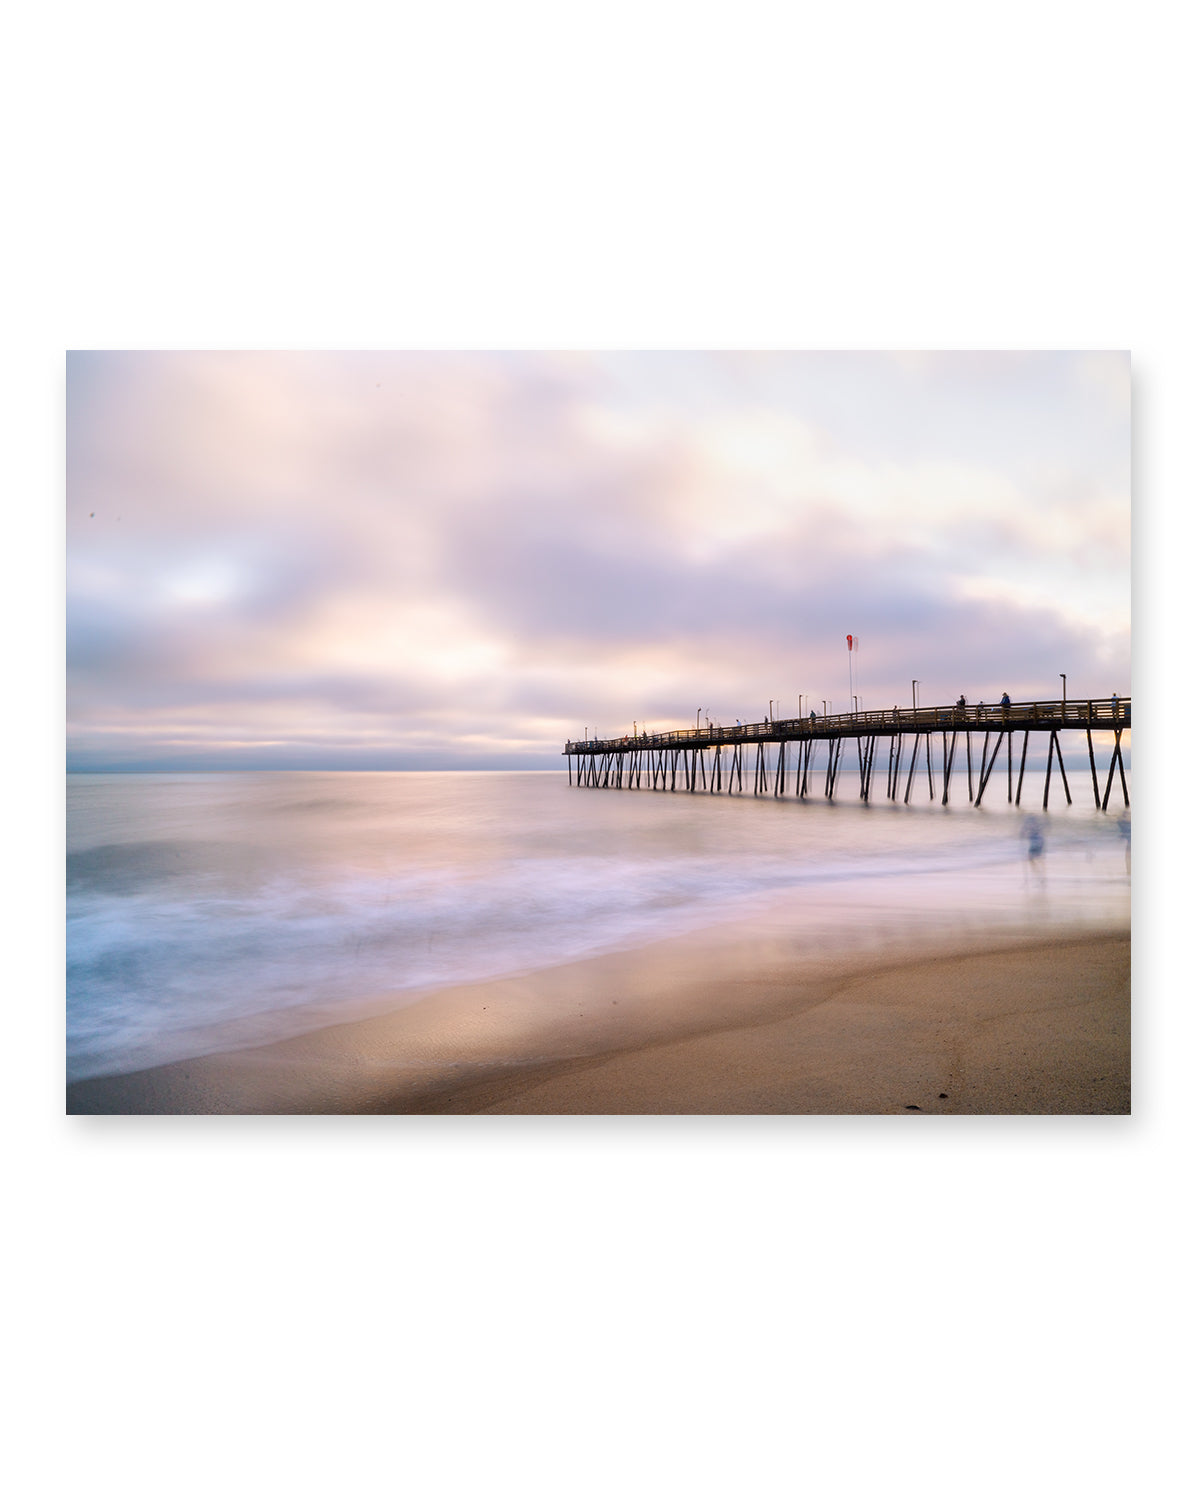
x=414, y=561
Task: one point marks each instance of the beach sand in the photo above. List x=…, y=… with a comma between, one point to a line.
x=716, y=1024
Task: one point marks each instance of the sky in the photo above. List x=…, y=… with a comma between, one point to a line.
x=459, y=560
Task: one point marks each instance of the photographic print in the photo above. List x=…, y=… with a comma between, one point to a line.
x=661, y=733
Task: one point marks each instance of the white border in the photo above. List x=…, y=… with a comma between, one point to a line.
x=575, y=1307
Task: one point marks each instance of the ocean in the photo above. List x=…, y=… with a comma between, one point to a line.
x=206, y=911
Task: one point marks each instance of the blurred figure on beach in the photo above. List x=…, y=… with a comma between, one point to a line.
x=1032, y=830
x=1123, y=828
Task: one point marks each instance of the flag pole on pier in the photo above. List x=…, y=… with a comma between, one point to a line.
x=851, y=648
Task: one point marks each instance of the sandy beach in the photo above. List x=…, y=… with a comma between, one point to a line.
x=1012, y=1024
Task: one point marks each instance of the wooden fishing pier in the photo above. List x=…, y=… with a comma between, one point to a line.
x=715, y=758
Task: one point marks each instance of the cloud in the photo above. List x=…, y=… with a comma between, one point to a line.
x=457, y=555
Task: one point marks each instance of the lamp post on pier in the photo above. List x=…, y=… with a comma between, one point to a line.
x=916, y=683
x=1063, y=675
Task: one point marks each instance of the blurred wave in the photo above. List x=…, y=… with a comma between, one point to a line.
x=199, y=906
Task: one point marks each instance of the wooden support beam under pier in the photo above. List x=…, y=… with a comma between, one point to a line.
x=1021, y=776
x=1115, y=762
x=1092, y=763
x=986, y=773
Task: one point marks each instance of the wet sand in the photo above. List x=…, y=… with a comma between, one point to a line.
x=1015, y=1024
